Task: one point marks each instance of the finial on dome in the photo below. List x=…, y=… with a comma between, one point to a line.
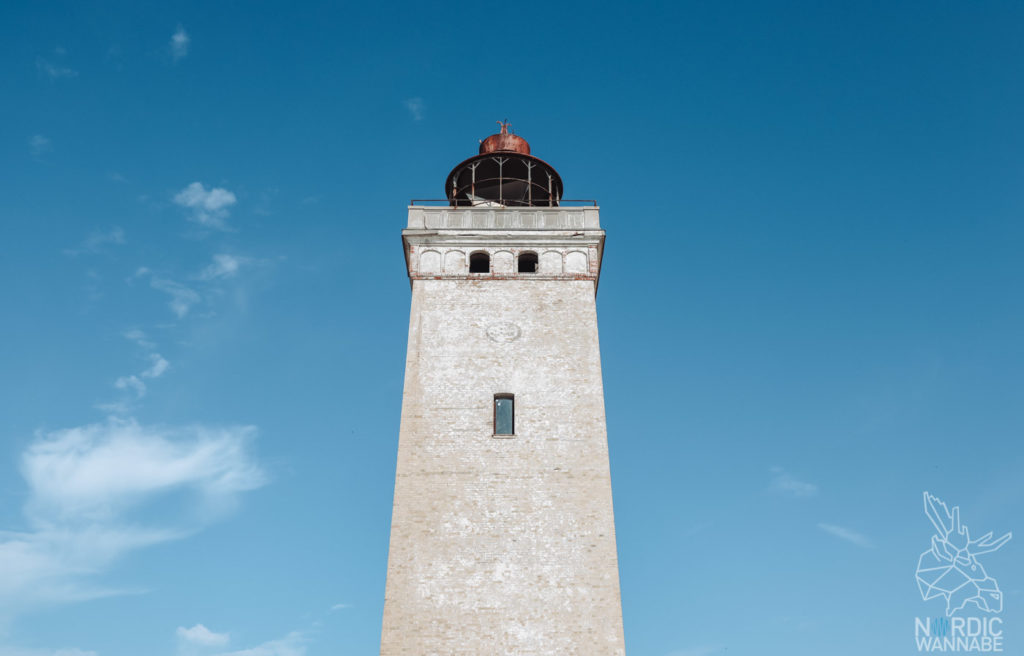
x=504, y=142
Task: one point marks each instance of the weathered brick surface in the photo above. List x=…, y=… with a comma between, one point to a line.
x=503, y=546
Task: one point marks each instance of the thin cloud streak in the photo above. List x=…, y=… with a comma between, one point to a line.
x=54, y=71
x=180, y=41
x=18, y=651
x=416, y=108
x=785, y=484
x=139, y=337
x=182, y=297
x=39, y=145
x=847, y=534
x=223, y=266
x=95, y=242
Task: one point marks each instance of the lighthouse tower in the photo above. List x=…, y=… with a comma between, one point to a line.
x=502, y=532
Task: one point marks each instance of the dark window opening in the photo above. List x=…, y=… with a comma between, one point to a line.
x=504, y=414
x=528, y=263
x=479, y=263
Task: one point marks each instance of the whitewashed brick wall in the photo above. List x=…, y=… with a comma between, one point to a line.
x=503, y=546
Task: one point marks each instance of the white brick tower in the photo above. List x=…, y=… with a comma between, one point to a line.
x=502, y=532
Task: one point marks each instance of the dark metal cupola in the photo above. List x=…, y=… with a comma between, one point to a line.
x=504, y=174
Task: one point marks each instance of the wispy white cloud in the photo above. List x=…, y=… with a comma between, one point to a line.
x=96, y=471
x=337, y=607
x=17, y=651
x=416, y=108
x=85, y=486
x=784, y=483
x=264, y=201
x=179, y=43
x=131, y=383
x=200, y=635
x=847, y=534
x=97, y=240
x=121, y=408
x=207, y=207
x=52, y=70
x=39, y=145
x=223, y=266
x=139, y=337
x=157, y=367
x=182, y=297
x=293, y=644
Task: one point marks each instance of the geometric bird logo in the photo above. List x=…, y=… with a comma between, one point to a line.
x=950, y=568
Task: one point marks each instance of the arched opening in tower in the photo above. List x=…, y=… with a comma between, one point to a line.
x=479, y=263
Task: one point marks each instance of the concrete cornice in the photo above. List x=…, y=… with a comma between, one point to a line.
x=503, y=218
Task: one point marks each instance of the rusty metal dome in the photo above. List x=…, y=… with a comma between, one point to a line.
x=505, y=142
x=504, y=174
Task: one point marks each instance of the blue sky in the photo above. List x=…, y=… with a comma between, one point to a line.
x=810, y=306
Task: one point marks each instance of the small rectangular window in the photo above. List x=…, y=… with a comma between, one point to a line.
x=504, y=414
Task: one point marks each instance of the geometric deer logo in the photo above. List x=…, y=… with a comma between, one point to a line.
x=950, y=568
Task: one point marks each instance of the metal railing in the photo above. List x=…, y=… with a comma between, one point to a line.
x=431, y=202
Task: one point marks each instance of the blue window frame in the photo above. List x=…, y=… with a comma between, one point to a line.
x=504, y=414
